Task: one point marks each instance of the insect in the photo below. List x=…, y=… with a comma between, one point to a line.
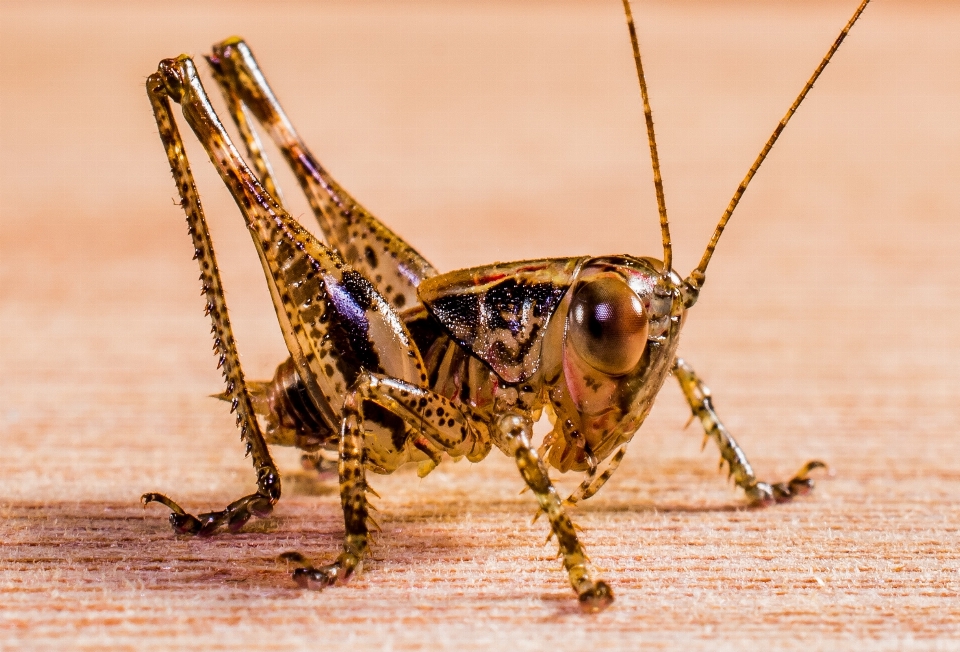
x=393, y=363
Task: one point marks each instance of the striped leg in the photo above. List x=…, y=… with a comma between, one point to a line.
x=433, y=417
x=268, y=480
x=593, y=482
x=698, y=396
x=369, y=246
x=513, y=432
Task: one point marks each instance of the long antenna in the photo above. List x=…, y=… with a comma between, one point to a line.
x=697, y=276
x=655, y=159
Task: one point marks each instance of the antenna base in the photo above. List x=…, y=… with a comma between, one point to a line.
x=690, y=290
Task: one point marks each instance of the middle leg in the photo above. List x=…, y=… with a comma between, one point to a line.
x=438, y=426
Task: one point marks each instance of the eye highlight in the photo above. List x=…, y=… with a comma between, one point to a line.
x=608, y=325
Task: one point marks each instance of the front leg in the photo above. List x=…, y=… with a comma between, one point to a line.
x=513, y=431
x=698, y=396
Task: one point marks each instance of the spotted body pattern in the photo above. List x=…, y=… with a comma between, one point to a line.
x=393, y=363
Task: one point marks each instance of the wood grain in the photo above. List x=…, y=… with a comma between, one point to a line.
x=494, y=131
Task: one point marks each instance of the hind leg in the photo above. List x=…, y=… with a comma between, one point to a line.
x=262, y=501
x=369, y=246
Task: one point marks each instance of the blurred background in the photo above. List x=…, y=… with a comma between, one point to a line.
x=481, y=132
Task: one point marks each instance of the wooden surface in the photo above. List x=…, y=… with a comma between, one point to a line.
x=494, y=131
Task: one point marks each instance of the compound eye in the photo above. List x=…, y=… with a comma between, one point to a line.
x=608, y=325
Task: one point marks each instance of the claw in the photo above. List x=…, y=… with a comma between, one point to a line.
x=181, y=521
x=317, y=579
x=763, y=493
x=234, y=516
x=597, y=598
x=760, y=494
x=148, y=498
x=801, y=486
x=805, y=470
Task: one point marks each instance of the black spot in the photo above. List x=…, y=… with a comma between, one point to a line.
x=399, y=301
x=390, y=421
x=370, y=257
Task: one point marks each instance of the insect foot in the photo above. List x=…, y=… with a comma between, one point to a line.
x=758, y=493
x=597, y=598
x=234, y=516
x=339, y=572
x=317, y=579
x=762, y=494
